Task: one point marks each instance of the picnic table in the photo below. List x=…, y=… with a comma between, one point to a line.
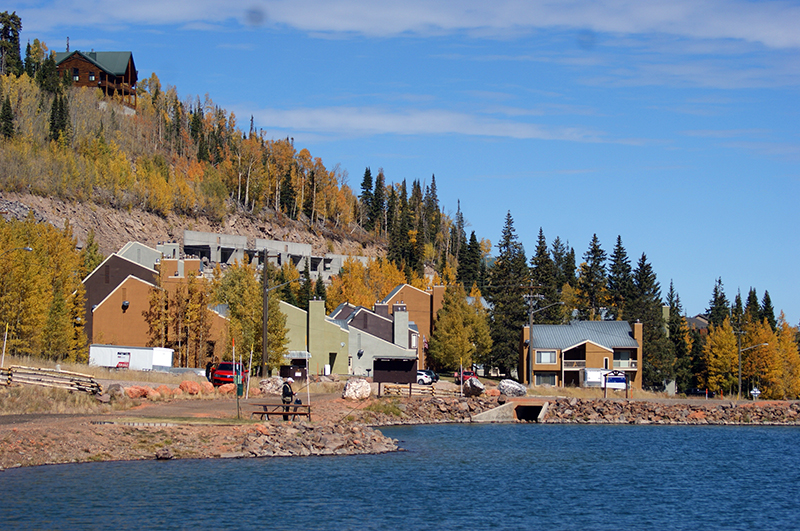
x=272, y=409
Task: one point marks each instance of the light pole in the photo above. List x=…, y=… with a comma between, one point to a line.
x=739, y=338
x=531, y=311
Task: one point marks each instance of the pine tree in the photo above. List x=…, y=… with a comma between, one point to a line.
x=468, y=272
x=47, y=76
x=657, y=354
x=432, y=213
x=366, y=200
x=545, y=287
x=378, y=204
x=319, y=290
x=620, y=282
x=305, y=290
x=7, y=119
x=718, y=309
x=10, y=59
x=508, y=283
x=752, y=308
x=679, y=337
x=768, y=312
x=592, y=284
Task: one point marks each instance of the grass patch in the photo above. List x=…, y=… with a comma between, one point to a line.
x=29, y=399
x=387, y=407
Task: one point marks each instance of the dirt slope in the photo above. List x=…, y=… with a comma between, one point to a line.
x=114, y=228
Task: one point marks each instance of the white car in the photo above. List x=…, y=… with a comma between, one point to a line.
x=424, y=378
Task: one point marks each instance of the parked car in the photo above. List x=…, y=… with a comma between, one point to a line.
x=433, y=375
x=423, y=378
x=224, y=373
x=464, y=376
x=696, y=391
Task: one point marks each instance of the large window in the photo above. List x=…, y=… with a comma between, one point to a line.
x=545, y=357
x=76, y=75
x=546, y=378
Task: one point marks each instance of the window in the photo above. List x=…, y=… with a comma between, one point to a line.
x=546, y=378
x=545, y=356
x=413, y=340
x=91, y=76
x=76, y=75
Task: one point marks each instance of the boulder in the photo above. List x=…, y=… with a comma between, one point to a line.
x=512, y=388
x=164, y=390
x=190, y=388
x=271, y=385
x=493, y=392
x=151, y=393
x=473, y=387
x=227, y=389
x=115, y=391
x=164, y=454
x=356, y=389
x=136, y=391
x=207, y=388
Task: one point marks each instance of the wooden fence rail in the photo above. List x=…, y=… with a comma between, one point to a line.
x=73, y=381
x=415, y=390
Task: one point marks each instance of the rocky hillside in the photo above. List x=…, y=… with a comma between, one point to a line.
x=114, y=228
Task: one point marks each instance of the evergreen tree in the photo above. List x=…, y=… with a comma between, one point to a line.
x=432, y=213
x=679, y=337
x=10, y=59
x=620, y=282
x=305, y=290
x=768, y=312
x=378, y=204
x=752, y=308
x=319, y=290
x=508, y=283
x=592, y=284
x=546, y=289
x=646, y=307
x=288, y=195
x=469, y=268
x=699, y=368
x=719, y=308
x=366, y=200
x=47, y=76
x=737, y=312
x=7, y=119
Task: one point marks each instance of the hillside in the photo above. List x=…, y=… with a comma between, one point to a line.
x=114, y=228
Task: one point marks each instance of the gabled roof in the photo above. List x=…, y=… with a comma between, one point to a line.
x=115, y=63
x=607, y=334
x=129, y=278
x=395, y=291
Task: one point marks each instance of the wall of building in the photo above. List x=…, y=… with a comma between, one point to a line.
x=327, y=341
x=113, y=326
x=372, y=347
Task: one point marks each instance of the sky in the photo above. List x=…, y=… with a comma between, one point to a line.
x=674, y=125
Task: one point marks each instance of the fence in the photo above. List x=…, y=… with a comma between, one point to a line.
x=414, y=390
x=73, y=381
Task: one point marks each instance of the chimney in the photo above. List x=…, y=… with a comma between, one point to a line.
x=382, y=309
x=400, y=326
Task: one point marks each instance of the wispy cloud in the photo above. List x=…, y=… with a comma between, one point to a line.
x=363, y=121
x=771, y=23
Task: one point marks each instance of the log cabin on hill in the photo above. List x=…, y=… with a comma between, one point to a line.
x=112, y=72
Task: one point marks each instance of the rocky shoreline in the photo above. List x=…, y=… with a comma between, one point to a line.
x=714, y=412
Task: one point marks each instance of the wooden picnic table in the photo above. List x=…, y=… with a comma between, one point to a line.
x=272, y=409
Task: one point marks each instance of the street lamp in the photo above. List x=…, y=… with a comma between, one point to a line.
x=739, y=338
x=29, y=249
x=530, y=334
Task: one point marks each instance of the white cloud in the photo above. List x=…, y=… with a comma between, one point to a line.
x=770, y=23
x=362, y=121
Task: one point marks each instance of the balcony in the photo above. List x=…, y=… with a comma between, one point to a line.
x=626, y=364
x=574, y=364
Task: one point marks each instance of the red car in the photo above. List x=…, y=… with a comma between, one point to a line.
x=224, y=373
x=465, y=375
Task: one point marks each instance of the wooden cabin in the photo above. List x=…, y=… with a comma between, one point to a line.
x=112, y=72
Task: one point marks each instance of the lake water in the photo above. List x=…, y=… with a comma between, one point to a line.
x=462, y=476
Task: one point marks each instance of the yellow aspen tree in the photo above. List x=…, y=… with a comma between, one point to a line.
x=788, y=379
x=721, y=358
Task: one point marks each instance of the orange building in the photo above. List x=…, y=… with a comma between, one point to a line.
x=422, y=307
x=560, y=355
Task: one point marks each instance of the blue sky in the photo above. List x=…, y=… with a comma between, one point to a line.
x=674, y=125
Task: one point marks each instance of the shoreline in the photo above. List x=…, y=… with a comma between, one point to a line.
x=340, y=428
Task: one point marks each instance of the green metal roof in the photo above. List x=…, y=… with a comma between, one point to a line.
x=115, y=63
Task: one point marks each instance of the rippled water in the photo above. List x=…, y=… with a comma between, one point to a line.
x=452, y=477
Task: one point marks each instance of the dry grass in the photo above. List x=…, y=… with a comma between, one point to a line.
x=590, y=392
x=103, y=373
x=31, y=399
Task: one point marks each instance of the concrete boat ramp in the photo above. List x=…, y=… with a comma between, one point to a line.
x=516, y=409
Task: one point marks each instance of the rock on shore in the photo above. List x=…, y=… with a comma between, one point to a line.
x=304, y=439
x=610, y=411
